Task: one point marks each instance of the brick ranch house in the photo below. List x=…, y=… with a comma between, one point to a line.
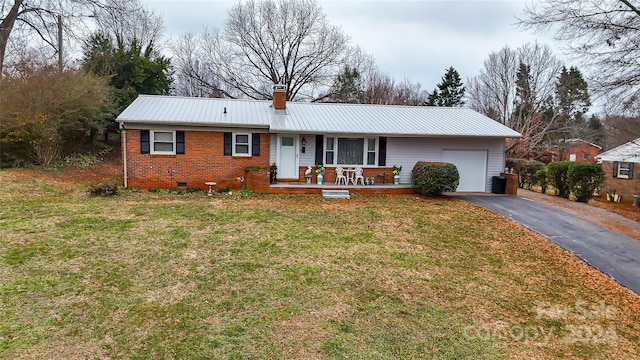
x=621, y=165
x=578, y=150
x=173, y=141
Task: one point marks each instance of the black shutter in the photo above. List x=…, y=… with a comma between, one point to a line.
x=319, y=149
x=227, y=143
x=630, y=170
x=145, y=146
x=615, y=169
x=179, y=142
x=382, y=152
x=255, y=144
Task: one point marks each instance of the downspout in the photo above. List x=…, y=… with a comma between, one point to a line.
x=123, y=131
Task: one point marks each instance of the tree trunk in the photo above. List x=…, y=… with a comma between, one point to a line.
x=5, y=30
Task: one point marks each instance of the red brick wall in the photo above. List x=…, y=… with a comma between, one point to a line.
x=202, y=161
x=625, y=187
x=580, y=149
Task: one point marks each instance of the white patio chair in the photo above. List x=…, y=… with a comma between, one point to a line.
x=340, y=176
x=358, y=175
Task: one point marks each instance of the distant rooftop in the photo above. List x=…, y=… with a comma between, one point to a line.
x=627, y=152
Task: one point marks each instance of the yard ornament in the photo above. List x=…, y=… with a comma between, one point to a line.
x=307, y=174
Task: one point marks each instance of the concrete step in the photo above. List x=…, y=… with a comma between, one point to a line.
x=336, y=194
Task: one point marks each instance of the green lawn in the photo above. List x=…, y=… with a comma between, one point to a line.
x=153, y=275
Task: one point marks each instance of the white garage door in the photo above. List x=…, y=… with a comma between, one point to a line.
x=472, y=166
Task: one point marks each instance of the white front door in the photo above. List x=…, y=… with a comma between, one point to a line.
x=287, y=157
x=472, y=167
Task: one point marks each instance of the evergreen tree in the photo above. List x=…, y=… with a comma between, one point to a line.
x=348, y=87
x=572, y=99
x=449, y=92
x=524, y=101
x=572, y=94
x=131, y=69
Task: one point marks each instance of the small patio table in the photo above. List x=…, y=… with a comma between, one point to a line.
x=350, y=173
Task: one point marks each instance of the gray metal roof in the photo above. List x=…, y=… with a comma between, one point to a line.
x=387, y=120
x=627, y=152
x=176, y=110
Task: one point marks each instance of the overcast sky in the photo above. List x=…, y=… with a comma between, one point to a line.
x=413, y=39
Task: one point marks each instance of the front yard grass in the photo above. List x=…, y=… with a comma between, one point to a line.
x=149, y=275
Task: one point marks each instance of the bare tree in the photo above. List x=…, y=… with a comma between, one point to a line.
x=195, y=74
x=604, y=35
x=516, y=88
x=129, y=22
x=492, y=92
x=274, y=41
x=42, y=20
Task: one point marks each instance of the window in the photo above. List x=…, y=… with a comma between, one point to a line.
x=329, y=151
x=351, y=151
x=586, y=156
x=241, y=144
x=371, y=151
x=624, y=170
x=163, y=142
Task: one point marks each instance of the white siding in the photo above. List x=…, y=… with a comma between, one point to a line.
x=408, y=151
x=306, y=159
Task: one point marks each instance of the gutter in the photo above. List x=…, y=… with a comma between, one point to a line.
x=123, y=131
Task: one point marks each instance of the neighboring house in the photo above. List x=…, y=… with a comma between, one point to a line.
x=578, y=150
x=175, y=141
x=622, y=164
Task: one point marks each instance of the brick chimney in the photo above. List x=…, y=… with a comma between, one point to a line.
x=279, y=97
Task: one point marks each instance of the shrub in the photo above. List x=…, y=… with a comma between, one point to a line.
x=584, y=179
x=154, y=190
x=434, y=178
x=557, y=177
x=518, y=166
x=530, y=173
x=541, y=178
x=81, y=160
x=193, y=189
x=103, y=189
x=223, y=190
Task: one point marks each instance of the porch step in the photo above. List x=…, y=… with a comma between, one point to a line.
x=336, y=194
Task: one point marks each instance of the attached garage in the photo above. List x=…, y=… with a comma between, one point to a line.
x=472, y=166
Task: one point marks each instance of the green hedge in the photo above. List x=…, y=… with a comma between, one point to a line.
x=435, y=178
x=526, y=171
x=541, y=177
x=584, y=179
x=557, y=173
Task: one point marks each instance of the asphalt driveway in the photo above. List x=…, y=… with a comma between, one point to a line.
x=612, y=253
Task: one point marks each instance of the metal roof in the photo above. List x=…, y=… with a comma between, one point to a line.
x=387, y=120
x=627, y=152
x=176, y=110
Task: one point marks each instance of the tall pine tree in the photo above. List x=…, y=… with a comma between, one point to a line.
x=449, y=92
x=572, y=94
x=348, y=87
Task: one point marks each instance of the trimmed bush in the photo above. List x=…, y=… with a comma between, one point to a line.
x=530, y=173
x=557, y=173
x=541, y=178
x=526, y=171
x=435, y=178
x=584, y=179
